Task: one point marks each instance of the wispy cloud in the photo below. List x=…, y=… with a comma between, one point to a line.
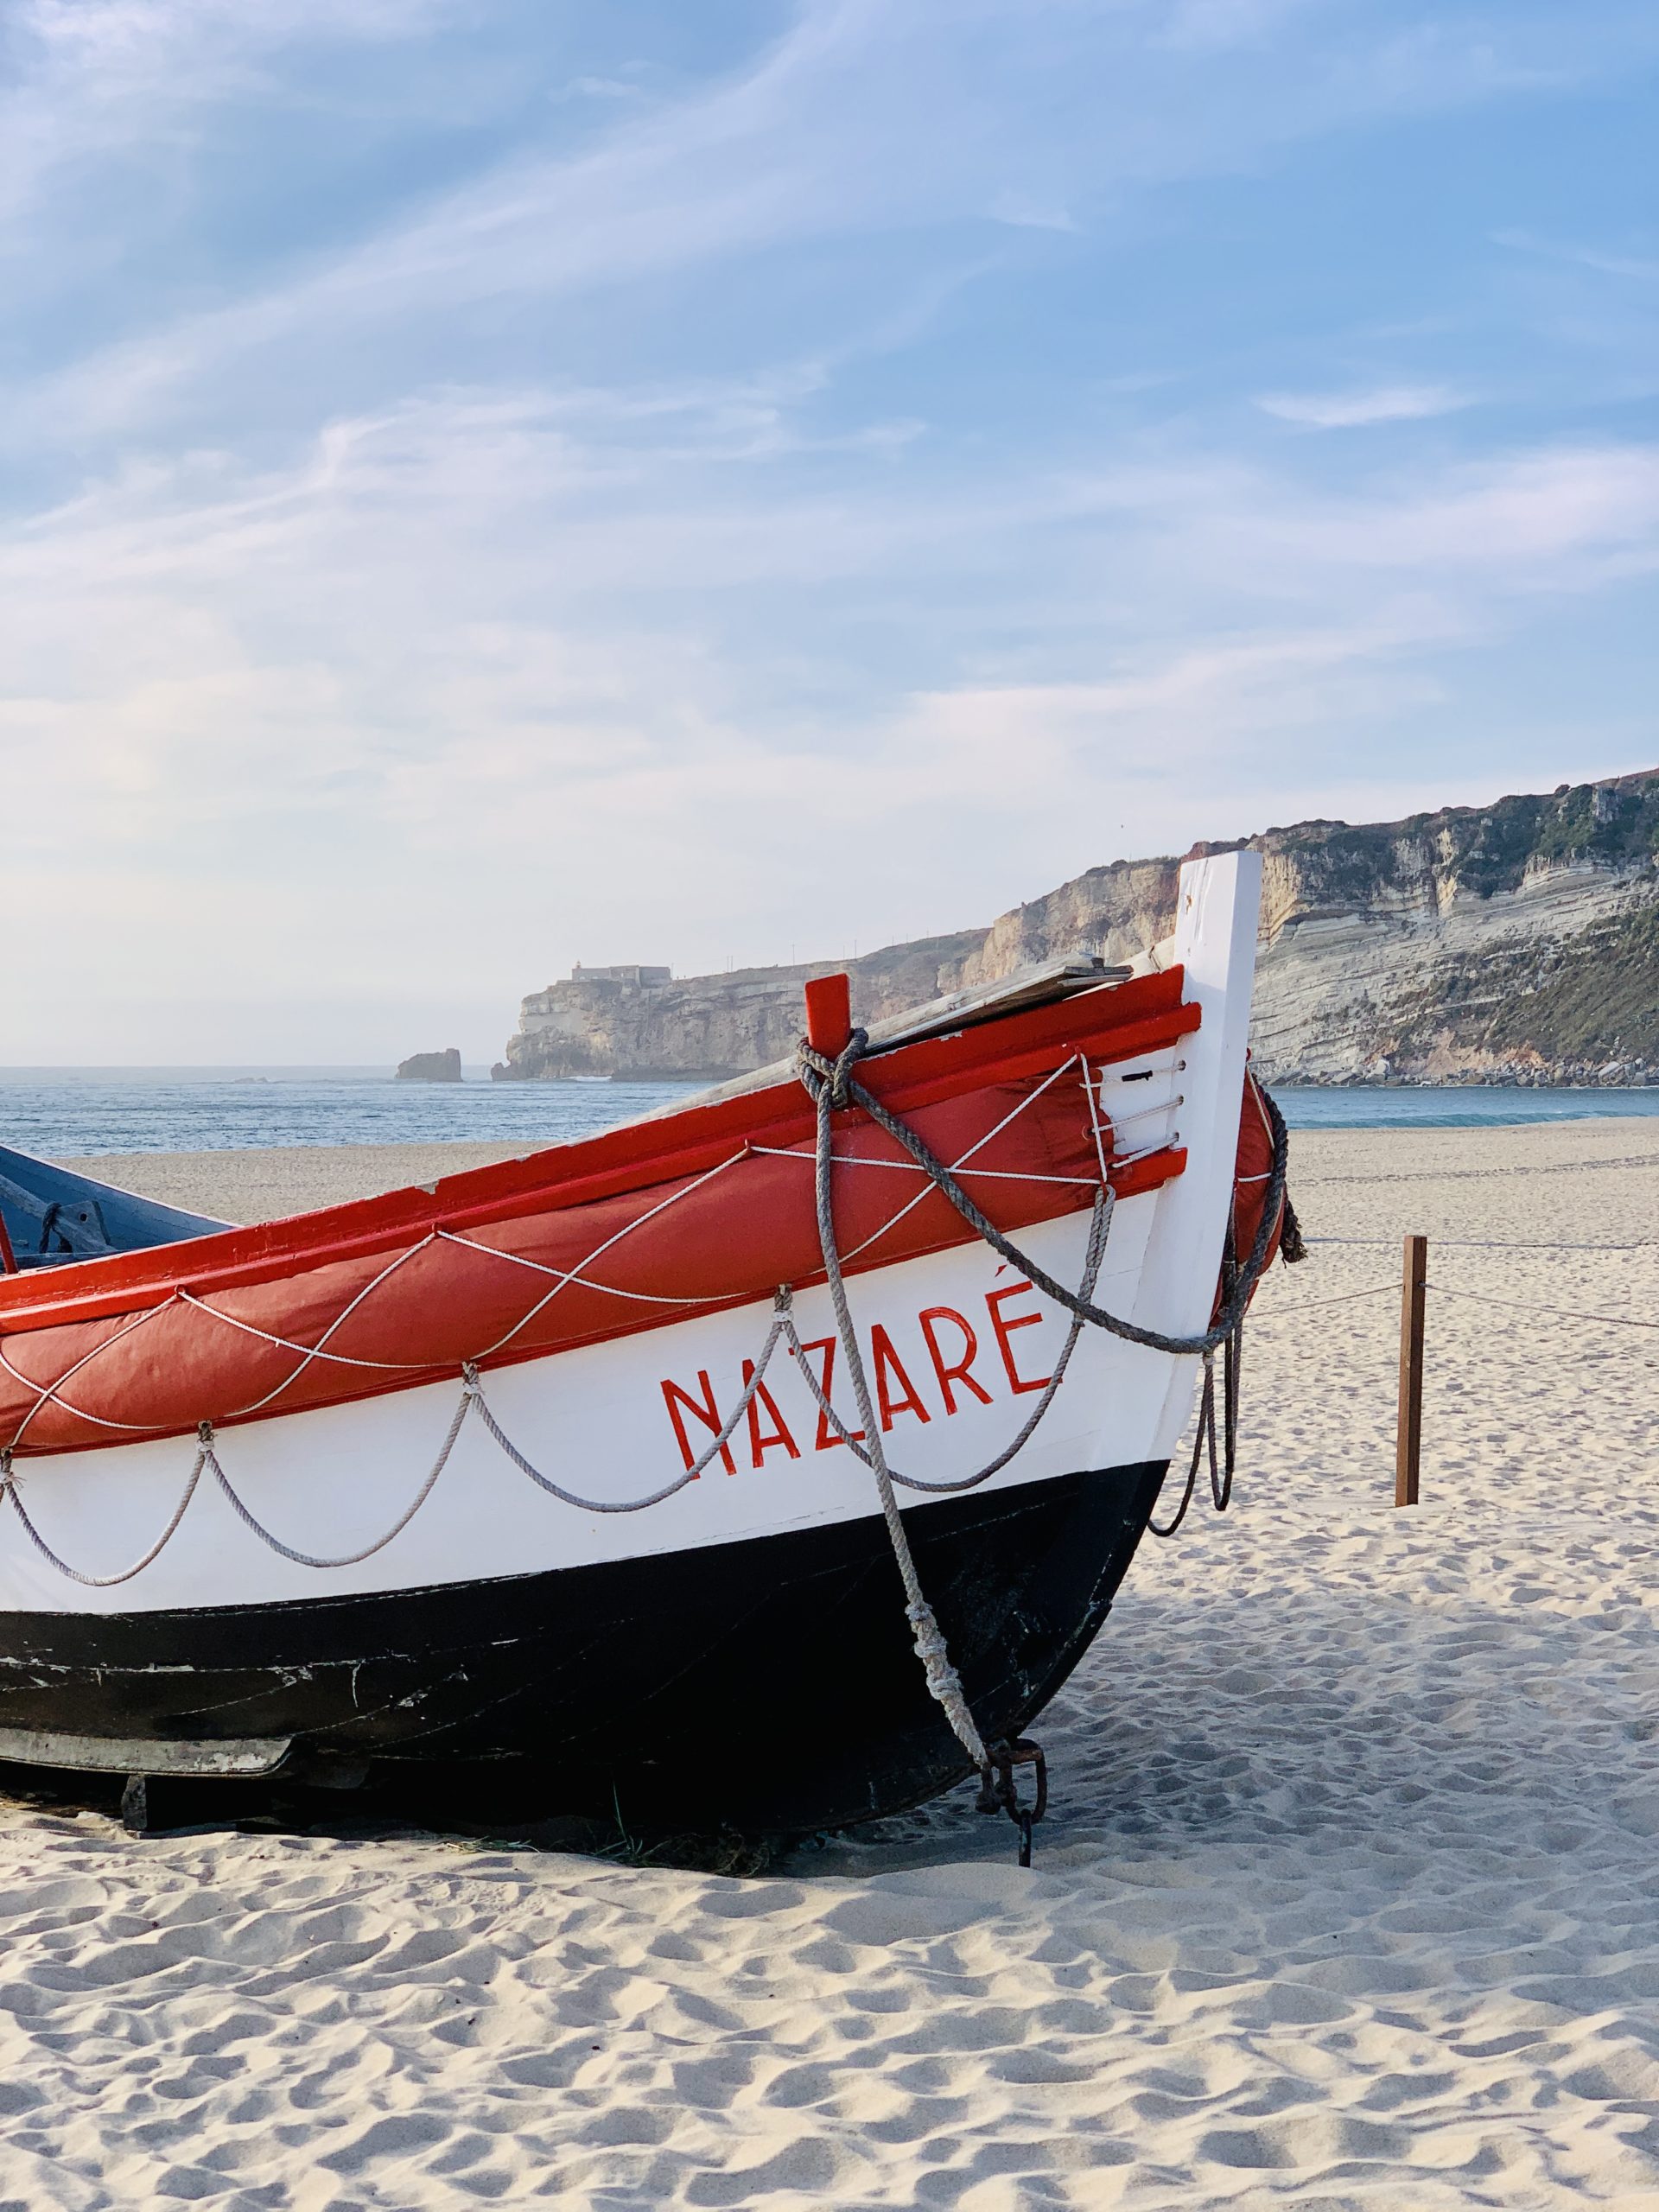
x=1358, y=409
x=456, y=517
x=1642, y=268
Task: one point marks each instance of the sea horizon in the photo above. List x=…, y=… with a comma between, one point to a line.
x=79, y=1112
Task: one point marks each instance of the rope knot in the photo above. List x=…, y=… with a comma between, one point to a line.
x=934, y=1653
x=819, y=1072
x=469, y=1377
x=7, y=1477
x=205, y=1434
x=841, y=1075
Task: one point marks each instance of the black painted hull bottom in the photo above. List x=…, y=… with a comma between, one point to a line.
x=769, y=1685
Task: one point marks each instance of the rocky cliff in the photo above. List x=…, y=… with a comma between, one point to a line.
x=1518, y=943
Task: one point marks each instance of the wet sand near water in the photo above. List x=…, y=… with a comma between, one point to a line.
x=1347, y=1900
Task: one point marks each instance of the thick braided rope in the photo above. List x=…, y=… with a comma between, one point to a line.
x=1099, y=1230
x=834, y=1078
x=944, y=1682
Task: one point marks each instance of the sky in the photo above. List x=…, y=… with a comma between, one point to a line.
x=489, y=484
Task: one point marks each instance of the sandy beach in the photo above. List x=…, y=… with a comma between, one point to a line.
x=1347, y=1898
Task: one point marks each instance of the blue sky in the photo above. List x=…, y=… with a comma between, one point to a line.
x=486, y=485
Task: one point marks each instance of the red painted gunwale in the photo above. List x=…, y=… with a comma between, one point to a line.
x=1116, y=1022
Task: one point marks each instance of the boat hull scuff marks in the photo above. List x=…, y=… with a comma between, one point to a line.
x=773, y=1687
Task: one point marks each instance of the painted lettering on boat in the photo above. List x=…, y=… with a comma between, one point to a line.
x=946, y=1363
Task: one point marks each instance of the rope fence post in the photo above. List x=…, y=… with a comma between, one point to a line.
x=1409, y=1433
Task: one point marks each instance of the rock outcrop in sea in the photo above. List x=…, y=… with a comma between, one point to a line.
x=431, y=1067
x=1516, y=943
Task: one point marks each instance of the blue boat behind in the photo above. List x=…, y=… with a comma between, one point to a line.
x=50, y=1216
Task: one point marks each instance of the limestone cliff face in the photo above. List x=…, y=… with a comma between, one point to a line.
x=710, y=1026
x=1515, y=942
x=1116, y=912
x=1512, y=944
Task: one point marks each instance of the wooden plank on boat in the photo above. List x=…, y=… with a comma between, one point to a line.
x=78, y=1223
x=230, y=1756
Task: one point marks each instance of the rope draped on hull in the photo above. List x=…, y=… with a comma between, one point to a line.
x=833, y=1088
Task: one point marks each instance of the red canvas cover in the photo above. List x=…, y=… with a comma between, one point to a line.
x=644, y=1226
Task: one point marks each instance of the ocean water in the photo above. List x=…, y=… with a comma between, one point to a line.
x=1452, y=1106
x=66, y=1112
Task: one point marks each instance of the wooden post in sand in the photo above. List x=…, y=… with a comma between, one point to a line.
x=1408, y=1435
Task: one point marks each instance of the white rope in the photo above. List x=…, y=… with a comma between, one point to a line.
x=47, y=1393
x=909, y=1168
x=311, y=1352
x=318, y=1351
x=1091, y=1100
x=563, y=1275
x=1014, y=1113
x=9, y=1488
x=628, y=1229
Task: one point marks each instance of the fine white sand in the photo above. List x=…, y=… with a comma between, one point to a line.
x=1347, y=1898
x=248, y=1186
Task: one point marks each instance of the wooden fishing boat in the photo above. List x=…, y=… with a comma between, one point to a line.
x=558, y=1462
